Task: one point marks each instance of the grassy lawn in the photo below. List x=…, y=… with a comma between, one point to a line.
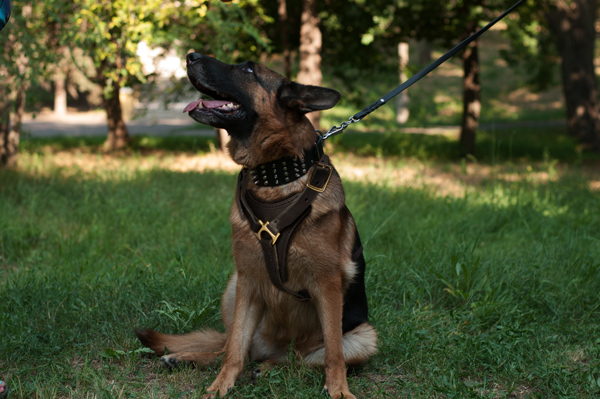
x=483, y=277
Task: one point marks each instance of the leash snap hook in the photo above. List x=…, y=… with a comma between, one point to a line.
x=338, y=129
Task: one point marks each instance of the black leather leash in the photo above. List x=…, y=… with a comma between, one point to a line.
x=360, y=115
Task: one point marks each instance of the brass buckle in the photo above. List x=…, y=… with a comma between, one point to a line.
x=320, y=189
x=265, y=228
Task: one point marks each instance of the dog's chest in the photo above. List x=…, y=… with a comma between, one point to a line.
x=250, y=259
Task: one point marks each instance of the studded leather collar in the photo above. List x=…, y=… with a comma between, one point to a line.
x=286, y=170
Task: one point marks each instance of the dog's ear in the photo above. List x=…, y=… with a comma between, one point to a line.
x=308, y=98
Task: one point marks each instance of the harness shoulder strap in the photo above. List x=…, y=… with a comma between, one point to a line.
x=275, y=235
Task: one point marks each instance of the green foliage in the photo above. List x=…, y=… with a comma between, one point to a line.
x=110, y=31
x=532, y=46
x=228, y=31
x=430, y=20
x=28, y=41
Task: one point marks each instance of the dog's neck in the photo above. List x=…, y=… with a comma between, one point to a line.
x=288, y=169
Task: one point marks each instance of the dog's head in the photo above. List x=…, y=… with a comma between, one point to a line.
x=262, y=111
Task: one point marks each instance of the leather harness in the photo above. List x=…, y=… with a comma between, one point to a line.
x=274, y=223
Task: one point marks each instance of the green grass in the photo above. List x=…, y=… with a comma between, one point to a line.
x=490, y=294
x=516, y=144
x=511, y=144
x=193, y=144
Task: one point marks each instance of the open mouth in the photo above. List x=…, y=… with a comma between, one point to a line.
x=222, y=106
x=219, y=106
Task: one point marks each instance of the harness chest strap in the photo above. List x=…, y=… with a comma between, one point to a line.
x=281, y=220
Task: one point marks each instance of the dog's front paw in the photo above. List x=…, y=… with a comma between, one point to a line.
x=213, y=392
x=338, y=395
x=170, y=361
x=256, y=374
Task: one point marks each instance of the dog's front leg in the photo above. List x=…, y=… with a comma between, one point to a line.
x=247, y=314
x=330, y=307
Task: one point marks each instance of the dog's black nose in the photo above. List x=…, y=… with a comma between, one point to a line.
x=193, y=57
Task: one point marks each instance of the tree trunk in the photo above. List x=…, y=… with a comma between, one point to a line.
x=310, y=52
x=118, y=136
x=471, y=99
x=222, y=139
x=7, y=154
x=402, y=111
x=424, y=52
x=19, y=110
x=60, y=94
x=10, y=134
x=572, y=23
x=285, y=42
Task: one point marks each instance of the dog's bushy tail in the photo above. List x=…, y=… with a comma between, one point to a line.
x=358, y=346
x=199, y=341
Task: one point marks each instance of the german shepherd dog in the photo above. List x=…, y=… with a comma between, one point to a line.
x=299, y=275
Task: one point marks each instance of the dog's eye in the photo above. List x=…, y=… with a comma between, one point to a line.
x=248, y=69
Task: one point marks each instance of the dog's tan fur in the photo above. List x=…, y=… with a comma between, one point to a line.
x=260, y=320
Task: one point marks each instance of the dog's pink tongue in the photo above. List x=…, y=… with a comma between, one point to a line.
x=192, y=106
x=207, y=104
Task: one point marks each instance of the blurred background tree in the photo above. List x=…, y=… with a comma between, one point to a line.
x=573, y=25
x=109, y=33
x=544, y=34
x=446, y=24
x=28, y=42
